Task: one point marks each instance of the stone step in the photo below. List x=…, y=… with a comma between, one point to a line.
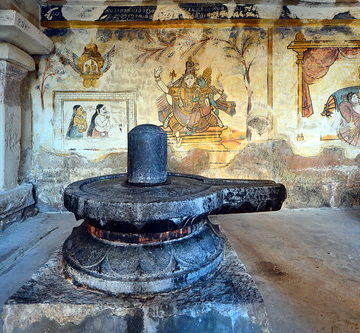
x=26, y=246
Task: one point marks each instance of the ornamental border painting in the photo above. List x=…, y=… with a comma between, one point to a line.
x=93, y=120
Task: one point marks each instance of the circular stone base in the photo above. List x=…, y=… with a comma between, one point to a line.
x=124, y=268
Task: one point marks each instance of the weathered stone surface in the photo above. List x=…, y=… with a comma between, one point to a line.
x=11, y=53
x=308, y=195
x=349, y=197
x=329, y=157
x=28, y=8
x=270, y=160
x=195, y=161
x=52, y=171
x=327, y=180
x=119, y=267
x=147, y=231
x=105, y=199
x=147, y=155
x=228, y=301
x=14, y=203
x=10, y=123
x=16, y=29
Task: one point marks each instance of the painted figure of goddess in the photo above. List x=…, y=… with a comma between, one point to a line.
x=78, y=123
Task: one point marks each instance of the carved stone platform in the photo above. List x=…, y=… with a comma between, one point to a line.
x=227, y=301
x=143, y=265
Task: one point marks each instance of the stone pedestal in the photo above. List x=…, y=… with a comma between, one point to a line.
x=147, y=259
x=227, y=301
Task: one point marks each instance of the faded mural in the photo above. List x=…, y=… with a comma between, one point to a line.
x=94, y=120
x=314, y=61
x=238, y=98
x=343, y=107
x=191, y=104
x=91, y=65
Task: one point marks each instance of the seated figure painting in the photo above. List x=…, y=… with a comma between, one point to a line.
x=344, y=104
x=191, y=104
x=78, y=123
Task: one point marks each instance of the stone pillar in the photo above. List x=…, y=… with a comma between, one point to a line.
x=18, y=39
x=10, y=123
x=14, y=200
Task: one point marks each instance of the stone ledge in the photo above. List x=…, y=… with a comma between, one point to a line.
x=16, y=56
x=227, y=301
x=28, y=8
x=16, y=29
x=15, y=204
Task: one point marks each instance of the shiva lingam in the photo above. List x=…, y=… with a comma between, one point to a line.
x=147, y=231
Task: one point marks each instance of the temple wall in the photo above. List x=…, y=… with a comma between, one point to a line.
x=253, y=124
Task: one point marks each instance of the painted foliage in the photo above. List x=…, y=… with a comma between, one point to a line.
x=238, y=44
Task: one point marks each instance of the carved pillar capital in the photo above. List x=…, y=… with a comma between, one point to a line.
x=299, y=56
x=12, y=54
x=10, y=79
x=11, y=72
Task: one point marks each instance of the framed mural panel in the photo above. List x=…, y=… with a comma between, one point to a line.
x=93, y=120
x=342, y=108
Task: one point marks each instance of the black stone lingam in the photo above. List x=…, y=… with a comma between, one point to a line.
x=147, y=231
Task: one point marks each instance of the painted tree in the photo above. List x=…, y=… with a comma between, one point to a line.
x=239, y=47
x=47, y=70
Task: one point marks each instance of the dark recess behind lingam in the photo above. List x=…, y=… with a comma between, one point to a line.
x=147, y=231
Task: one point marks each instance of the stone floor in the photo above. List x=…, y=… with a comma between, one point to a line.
x=306, y=262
